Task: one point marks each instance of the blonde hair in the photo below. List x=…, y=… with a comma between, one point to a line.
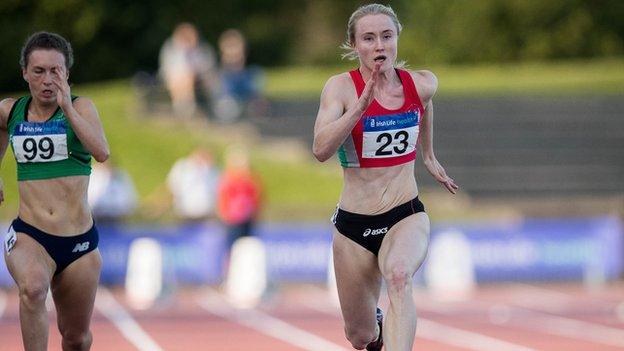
x=365, y=10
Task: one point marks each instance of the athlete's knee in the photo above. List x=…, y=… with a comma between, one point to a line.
x=33, y=293
x=76, y=340
x=359, y=337
x=398, y=277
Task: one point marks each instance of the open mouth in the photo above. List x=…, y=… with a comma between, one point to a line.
x=380, y=58
x=47, y=92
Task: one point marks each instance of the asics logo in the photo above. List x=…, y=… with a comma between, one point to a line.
x=81, y=247
x=369, y=231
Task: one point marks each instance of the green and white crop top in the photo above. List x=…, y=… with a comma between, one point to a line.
x=45, y=150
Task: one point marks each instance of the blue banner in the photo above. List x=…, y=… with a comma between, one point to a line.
x=191, y=253
x=297, y=251
x=534, y=249
x=544, y=249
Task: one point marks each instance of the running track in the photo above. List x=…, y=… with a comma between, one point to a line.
x=511, y=317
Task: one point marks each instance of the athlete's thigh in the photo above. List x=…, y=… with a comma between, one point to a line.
x=74, y=291
x=29, y=263
x=405, y=245
x=357, y=278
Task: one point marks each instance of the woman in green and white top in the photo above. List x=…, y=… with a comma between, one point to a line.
x=52, y=244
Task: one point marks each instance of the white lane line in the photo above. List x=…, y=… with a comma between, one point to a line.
x=541, y=299
x=131, y=330
x=564, y=326
x=3, y=302
x=552, y=301
x=530, y=318
x=574, y=329
x=619, y=312
x=266, y=324
x=434, y=331
x=570, y=297
x=548, y=293
x=428, y=329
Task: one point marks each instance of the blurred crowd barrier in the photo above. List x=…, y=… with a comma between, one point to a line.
x=575, y=249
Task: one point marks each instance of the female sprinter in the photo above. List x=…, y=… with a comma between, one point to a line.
x=374, y=117
x=52, y=244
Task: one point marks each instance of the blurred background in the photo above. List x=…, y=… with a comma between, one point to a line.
x=209, y=108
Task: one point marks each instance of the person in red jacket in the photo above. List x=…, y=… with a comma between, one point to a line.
x=239, y=195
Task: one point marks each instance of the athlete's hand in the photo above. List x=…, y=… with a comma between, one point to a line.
x=437, y=171
x=367, y=94
x=63, y=95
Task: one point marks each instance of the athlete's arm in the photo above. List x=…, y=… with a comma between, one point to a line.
x=333, y=124
x=83, y=117
x=86, y=123
x=5, y=110
x=427, y=84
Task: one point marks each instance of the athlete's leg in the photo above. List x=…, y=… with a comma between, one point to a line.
x=359, y=281
x=402, y=252
x=74, y=291
x=32, y=269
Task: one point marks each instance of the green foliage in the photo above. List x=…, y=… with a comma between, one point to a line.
x=147, y=147
x=492, y=30
x=115, y=38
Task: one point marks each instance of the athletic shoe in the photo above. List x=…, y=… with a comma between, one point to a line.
x=377, y=344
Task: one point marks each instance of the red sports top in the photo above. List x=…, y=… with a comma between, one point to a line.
x=384, y=137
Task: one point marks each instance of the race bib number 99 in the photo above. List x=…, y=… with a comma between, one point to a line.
x=390, y=135
x=40, y=142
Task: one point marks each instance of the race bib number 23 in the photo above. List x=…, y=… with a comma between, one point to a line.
x=390, y=135
x=40, y=142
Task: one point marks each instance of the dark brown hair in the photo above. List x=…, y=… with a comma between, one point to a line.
x=47, y=41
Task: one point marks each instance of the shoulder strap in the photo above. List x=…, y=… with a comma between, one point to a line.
x=15, y=108
x=12, y=111
x=409, y=87
x=358, y=81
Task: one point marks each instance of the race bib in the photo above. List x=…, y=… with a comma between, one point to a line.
x=40, y=142
x=390, y=135
x=9, y=240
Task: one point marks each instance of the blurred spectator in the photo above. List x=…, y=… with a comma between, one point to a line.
x=112, y=195
x=187, y=64
x=239, y=90
x=239, y=195
x=193, y=182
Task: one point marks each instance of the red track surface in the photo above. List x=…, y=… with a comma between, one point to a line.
x=501, y=317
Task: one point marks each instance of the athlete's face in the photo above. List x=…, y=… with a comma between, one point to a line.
x=376, y=41
x=43, y=65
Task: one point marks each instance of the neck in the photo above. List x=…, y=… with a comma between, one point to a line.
x=39, y=109
x=385, y=78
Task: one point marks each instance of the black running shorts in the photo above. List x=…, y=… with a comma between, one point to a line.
x=369, y=231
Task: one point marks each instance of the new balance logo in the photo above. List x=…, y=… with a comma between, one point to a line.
x=369, y=231
x=81, y=247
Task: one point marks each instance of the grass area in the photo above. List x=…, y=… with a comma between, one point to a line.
x=595, y=77
x=147, y=148
x=296, y=186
